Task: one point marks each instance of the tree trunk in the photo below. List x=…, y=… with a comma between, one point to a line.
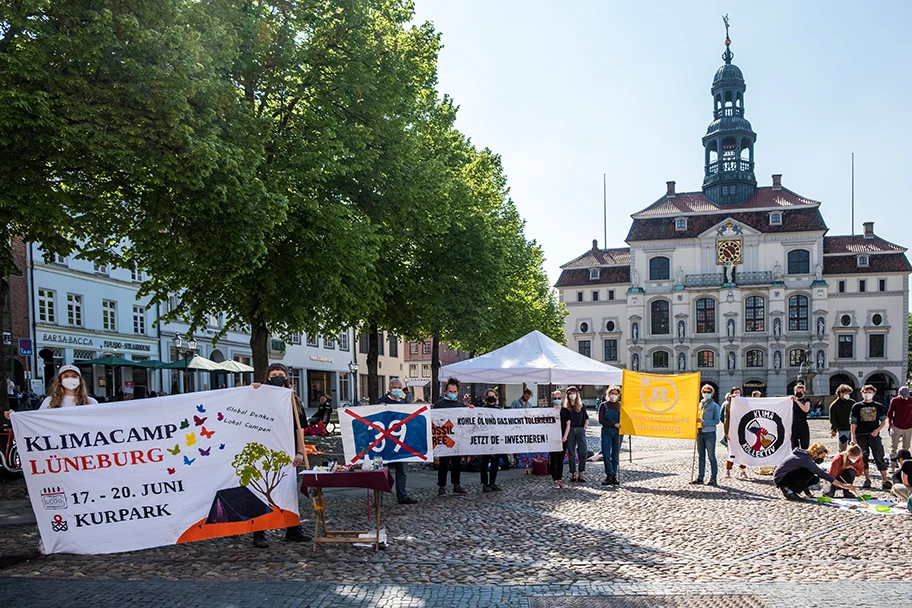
x=4, y=293
x=373, y=355
x=259, y=346
x=435, y=368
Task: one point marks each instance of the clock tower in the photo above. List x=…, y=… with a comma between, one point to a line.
x=728, y=145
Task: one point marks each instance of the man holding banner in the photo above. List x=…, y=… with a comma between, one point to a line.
x=396, y=396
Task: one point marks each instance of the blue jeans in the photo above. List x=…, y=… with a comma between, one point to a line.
x=706, y=446
x=611, y=450
x=401, y=471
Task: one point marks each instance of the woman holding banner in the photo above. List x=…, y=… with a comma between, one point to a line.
x=710, y=413
x=67, y=390
x=609, y=416
x=556, y=459
x=576, y=443
x=726, y=425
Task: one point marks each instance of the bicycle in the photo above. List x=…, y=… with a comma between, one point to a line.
x=9, y=457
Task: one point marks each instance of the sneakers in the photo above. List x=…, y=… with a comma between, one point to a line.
x=557, y=485
x=259, y=540
x=486, y=489
x=408, y=500
x=712, y=482
x=496, y=487
x=887, y=484
x=441, y=491
x=696, y=482
x=789, y=495
x=867, y=484
x=296, y=535
x=607, y=481
x=459, y=490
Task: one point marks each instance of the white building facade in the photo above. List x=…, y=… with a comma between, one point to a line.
x=742, y=283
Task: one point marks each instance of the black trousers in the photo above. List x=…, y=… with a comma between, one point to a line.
x=872, y=446
x=453, y=465
x=798, y=481
x=494, y=461
x=556, y=464
x=801, y=435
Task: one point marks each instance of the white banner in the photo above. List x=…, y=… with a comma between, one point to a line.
x=125, y=476
x=464, y=431
x=393, y=432
x=760, y=430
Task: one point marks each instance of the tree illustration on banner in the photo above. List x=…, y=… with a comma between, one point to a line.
x=261, y=468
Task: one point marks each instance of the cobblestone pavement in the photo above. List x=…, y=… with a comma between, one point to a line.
x=655, y=533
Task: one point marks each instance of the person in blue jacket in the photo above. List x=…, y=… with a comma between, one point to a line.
x=711, y=415
x=609, y=416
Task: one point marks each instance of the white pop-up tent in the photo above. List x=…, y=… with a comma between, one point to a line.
x=533, y=359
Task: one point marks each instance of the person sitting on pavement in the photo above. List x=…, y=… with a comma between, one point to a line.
x=799, y=471
x=576, y=443
x=523, y=401
x=395, y=395
x=324, y=411
x=277, y=375
x=902, y=478
x=726, y=424
x=899, y=422
x=453, y=464
x=556, y=459
x=710, y=416
x=68, y=389
x=840, y=411
x=492, y=461
x=868, y=418
x=846, y=467
x=609, y=416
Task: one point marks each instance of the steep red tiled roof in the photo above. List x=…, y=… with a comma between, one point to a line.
x=613, y=275
x=601, y=257
x=694, y=202
x=793, y=220
x=858, y=244
x=882, y=262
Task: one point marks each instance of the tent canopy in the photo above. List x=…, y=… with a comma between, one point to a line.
x=194, y=362
x=235, y=367
x=533, y=359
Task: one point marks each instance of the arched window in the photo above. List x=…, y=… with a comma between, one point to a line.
x=797, y=356
x=753, y=358
x=658, y=317
x=798, y=313
x=706, y=316
x=754, y=313
x=706, y=358
x=799, y=261
x=660, y=359
x=659, y=269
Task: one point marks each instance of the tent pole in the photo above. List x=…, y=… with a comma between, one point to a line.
x=630, y=447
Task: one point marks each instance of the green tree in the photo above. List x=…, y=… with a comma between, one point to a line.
x=261, y=468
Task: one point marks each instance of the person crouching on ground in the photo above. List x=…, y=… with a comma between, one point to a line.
x=706, y=437
x=453, y=464
x=799, y=471
x=492, y=461
x=395, y=395
x=556, y=459
x=277, y=375
x=609, y=416
x=902, y=479
x=579, y=421
x=846, y=467
x=726, y=426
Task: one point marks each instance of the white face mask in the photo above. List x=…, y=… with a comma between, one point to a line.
x=612, y=398
x=571, y=397
x=70, y=383
x=853, y=460
x=867, y=396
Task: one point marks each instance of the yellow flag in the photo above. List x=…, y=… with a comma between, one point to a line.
x=653, y=405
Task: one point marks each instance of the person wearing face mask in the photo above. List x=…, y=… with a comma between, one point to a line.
x=899, y=421
x=868, y=418
x=711, y=414
x=609, y=416
x=801, y=432
x=840, y=411
x=453, y=464
x=846, y=467
x=395, y=395
x=67, y=390
x=576, y=443
x=726, y=426
x=490, y=461
x=556, y=459
x=277, y=375
x=799, y=471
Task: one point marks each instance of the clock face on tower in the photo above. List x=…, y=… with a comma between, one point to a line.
x=729, y=252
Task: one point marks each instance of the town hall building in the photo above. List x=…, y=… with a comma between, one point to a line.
x=741, y=282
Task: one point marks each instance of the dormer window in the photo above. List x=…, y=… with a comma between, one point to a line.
x=681, y=224
x=864, y=261
x=594, y=274
x=775, y=219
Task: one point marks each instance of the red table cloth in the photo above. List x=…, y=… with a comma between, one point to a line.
x=379, y=479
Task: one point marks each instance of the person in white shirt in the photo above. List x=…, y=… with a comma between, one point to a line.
x=68, y=389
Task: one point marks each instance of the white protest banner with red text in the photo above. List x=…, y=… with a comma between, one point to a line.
x=465, y=431
x=151, y=472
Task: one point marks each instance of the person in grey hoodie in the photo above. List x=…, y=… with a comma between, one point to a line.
x=710, y=416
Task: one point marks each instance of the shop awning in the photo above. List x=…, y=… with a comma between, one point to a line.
x=418, y=383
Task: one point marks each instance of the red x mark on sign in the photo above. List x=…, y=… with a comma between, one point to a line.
x=384, y=434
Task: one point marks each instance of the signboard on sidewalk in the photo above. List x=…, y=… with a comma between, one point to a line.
x=105, y=479
x=395, y=433
x=464, y=431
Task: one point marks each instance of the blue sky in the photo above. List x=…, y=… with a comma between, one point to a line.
x=567, y=91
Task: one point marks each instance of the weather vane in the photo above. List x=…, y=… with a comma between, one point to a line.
x=728, y=55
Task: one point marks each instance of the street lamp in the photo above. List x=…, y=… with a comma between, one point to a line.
x=353, y=368
x=185, y=353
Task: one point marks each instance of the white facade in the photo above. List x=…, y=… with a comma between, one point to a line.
x=82, y=311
